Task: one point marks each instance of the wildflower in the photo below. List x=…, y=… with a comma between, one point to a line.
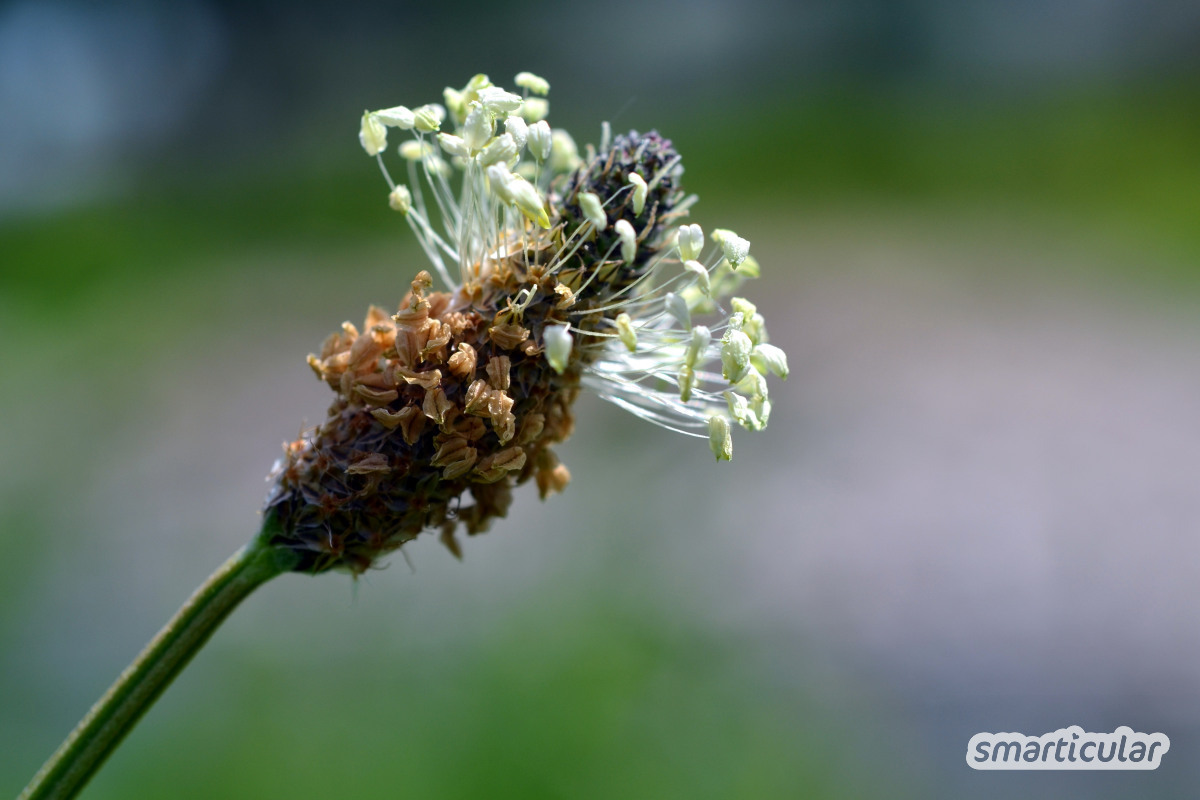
x=560, y=273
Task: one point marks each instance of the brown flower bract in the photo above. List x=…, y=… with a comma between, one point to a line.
x=434, y=403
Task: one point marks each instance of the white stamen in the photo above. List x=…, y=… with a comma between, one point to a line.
x=557, y=339
x=769, y=358
x=400, y=199
x=639, y=193
x=428, y=118
x=372, y=135
x=397, y=117
x=564, y=155
x=719, y=437
x=702, y=280
x=677, y=307
x=735, y=355
x=628, y=239
x=501, y=150
x=478, y=128
x=498, y=101
x=454, y=145
x=518, y=130
x=691, y=241
x=593, y=212
x=540, y=140
x=626, y=333
x=535, y=109
x=534, y=83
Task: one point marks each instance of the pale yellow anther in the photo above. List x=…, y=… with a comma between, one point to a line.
x=762, y=408
x=720, y=439
x=400, y=199
x=626, y=333
x=558, y=346
x=498, y=101
x=735, y=248
x=499, y=177
x=740, y=409
x=438, y=166
x=455, y=103
x=702, y=280
x=499, y=151
x=754, y=385
x=534, y=83
x=527, y=199
x=687, y=380
x=628, y=239
x=593, y=211
x=564, y=155
x=454, y=145
x=535, y=109
x=721, y=234
x=677, y=307
x=698, y=344
x=397, y=117
x=752, y=322
x=471, y=90
x=735, y=355
x=691, y=241
x=414, y=150
x=541, y=140
x=756, y=329
x=372, y=135
x=744, y=306
x=769, y=358
x=758, y=405
x=478, y=128
x=639, y=193
x=428, y=118
x=518, y=129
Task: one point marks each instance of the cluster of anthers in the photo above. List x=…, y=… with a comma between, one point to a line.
x=561, y=272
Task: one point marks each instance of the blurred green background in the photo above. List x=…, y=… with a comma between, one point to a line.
x=976, y=507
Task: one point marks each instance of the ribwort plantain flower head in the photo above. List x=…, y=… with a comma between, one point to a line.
x=561, y=272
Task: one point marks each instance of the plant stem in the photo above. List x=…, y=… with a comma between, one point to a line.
x=114, y=715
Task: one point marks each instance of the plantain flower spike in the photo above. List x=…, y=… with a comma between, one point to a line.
x=559, y=273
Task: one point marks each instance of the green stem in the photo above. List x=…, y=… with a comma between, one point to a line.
x=115, y=714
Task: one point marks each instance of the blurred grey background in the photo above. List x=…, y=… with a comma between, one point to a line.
x=975, y=508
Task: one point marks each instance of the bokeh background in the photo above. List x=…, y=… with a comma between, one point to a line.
x=976, y=508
